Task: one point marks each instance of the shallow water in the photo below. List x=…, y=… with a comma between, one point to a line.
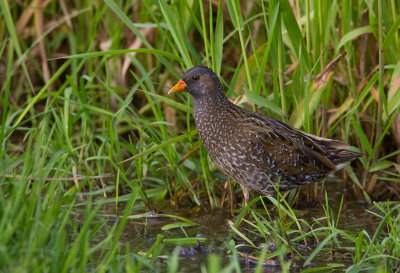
x=142, y=233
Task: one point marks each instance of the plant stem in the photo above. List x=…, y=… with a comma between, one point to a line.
x=381, y=70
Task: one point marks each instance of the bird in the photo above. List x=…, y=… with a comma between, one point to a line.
x=259, y=152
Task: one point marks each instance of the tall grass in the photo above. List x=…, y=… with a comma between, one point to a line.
x=85, y=119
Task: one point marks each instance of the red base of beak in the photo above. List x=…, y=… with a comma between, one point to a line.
x=178, y=87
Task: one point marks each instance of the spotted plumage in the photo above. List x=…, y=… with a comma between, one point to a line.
x=249, y=147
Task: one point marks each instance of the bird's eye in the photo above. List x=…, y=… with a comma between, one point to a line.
x=195, y=77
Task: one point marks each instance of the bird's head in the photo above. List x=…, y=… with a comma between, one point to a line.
x=200, y=82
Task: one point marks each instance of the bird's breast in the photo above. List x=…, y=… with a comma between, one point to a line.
x=225, y=144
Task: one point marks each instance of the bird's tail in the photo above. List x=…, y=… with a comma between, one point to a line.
x=337, y=152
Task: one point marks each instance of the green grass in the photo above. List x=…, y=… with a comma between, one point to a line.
x=79, y=129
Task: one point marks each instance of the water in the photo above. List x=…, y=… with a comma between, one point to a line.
x=213, y=225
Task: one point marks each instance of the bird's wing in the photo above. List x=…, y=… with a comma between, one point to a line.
x=283, y=147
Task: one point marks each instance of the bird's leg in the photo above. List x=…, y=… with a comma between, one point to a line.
x=246, y=194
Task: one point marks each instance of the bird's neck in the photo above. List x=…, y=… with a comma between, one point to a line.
x=210, y=104
x=208, y=112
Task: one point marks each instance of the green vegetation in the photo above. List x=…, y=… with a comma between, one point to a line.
x=86, y=124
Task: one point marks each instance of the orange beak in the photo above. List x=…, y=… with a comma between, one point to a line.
x=177, y=87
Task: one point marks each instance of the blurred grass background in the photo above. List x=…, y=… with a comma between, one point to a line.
x=86, y=120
